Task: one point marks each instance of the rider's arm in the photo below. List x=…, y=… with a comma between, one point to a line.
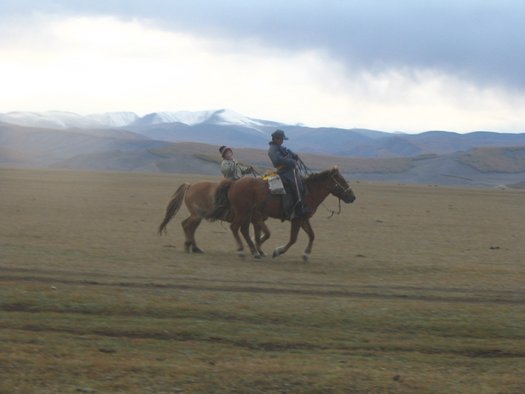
x=290, y=153
x=228, y=169
x=245, y=169
x=280, y=157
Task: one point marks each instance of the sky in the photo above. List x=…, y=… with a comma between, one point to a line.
x=405, y=65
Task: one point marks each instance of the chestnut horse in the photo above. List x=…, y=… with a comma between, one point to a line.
x=199, y=200
x=250, y=200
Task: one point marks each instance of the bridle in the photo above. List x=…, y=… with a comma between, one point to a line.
x=338, y=185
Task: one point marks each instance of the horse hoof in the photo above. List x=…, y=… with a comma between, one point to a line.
x=241, y=254
x=257, y=256
x=278, y=251
x=306, y=257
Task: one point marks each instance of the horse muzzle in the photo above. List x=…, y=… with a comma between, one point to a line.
x=348, y=197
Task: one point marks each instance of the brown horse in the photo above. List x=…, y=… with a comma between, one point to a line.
x=250, y=200
x=199, y=200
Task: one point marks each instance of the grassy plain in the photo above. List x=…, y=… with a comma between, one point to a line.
x=411, y=289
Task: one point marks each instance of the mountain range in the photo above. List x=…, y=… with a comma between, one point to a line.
x=185, y=141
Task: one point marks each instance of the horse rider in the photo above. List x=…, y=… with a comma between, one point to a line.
x=231, y=168
x=285, y=161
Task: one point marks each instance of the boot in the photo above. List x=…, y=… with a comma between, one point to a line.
x=288, y=207
x=302, y=211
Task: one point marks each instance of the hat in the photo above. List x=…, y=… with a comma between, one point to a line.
x=279, y=134
x=223, y=149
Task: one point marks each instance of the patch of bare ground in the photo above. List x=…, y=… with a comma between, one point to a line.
x=410, y=289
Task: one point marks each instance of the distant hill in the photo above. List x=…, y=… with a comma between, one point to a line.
x=501, y=160
x=12, y=157
x=44, y=147
x=188, y=142
x=227, y=127
x=186, y=157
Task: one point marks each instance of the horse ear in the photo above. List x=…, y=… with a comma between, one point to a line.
x=335, y=168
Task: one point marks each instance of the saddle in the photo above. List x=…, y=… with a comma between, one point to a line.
x=290, y=207
x=275, y=184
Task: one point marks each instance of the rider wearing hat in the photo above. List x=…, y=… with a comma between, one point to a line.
x=285, y=162
x=231, y=168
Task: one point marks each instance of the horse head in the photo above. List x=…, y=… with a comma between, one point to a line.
x=340, y=187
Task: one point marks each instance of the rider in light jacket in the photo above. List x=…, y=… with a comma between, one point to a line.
x=231, y=168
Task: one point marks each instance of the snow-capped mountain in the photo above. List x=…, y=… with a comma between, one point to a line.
x=49, y=119
x=185, y=117
x=114, y=119
x=229, y=117
x=192, y=118
x=216, y=127
x=123, y=140
x=65, y=120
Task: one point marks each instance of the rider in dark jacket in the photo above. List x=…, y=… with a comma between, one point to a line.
x=285, y=162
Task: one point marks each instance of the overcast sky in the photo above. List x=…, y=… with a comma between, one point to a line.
x=390, y=65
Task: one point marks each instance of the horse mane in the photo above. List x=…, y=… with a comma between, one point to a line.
x=319, y=176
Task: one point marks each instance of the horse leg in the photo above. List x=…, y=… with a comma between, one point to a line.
x=187, y=241
x=257, y=237
x=307, y=227
x=259, y=226
x=266, y=233
x=294, y=231
x=193, y=229
x=234, y=227
x=189, y=225
x=245, y=231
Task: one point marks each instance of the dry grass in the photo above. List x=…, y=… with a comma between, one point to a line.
x=502, y=160
x=411, y=289
x=259, y=158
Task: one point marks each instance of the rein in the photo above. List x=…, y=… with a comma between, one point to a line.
x=254, y=172
x=332, y=212
x=305, y=170
x=345, y=189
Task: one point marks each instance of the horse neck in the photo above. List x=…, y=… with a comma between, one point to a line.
x=317, y=192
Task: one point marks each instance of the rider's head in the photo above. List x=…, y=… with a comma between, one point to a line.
x=278, y=136
x=226, y=152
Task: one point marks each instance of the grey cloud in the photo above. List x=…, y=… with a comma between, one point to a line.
x=476, y=40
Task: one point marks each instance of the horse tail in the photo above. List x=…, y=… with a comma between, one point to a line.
x=221, y=203
x=173, y=206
